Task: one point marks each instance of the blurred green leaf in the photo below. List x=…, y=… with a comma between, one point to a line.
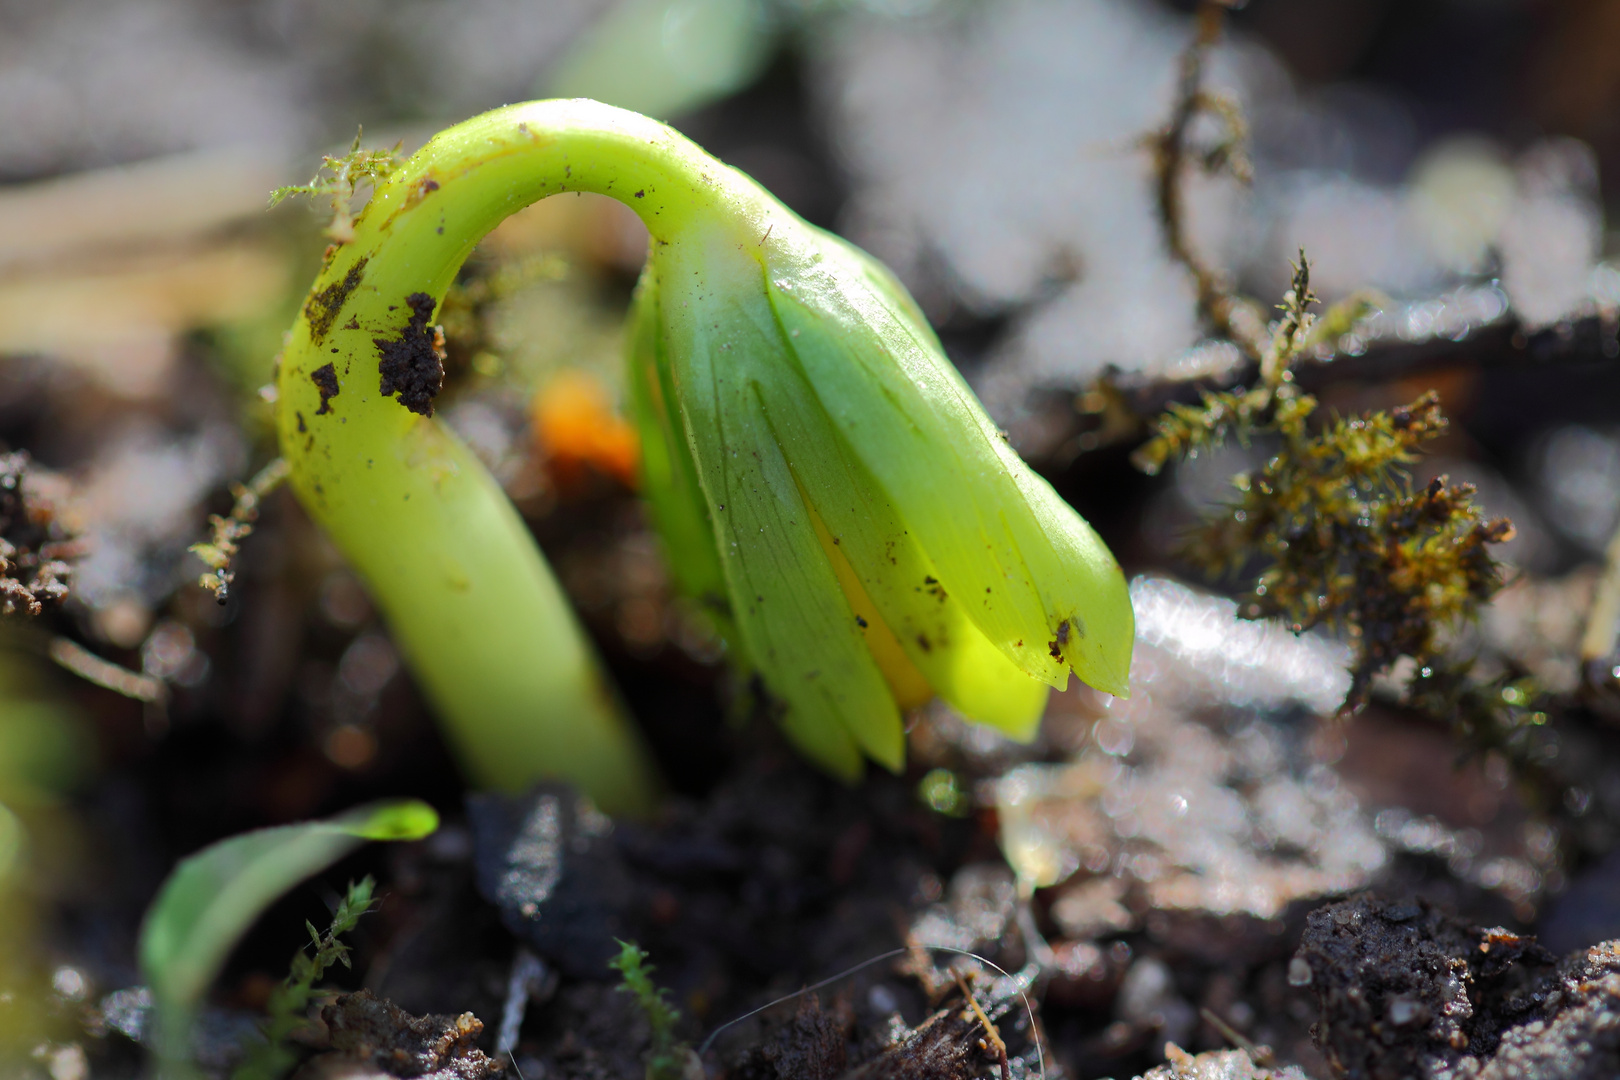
x=214, y=896
x=43, y=750
x=665, y=57
x=11, y=842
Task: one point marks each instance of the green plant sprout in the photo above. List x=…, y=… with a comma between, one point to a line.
x=289, y=1002
x=211, y=898
x=1348, y=541
x=824, y=480
x=666, y=1056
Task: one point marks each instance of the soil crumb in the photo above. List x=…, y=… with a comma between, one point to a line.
x=1217, y=1065
x=373, y=1037
x=949, y=1045
x=321, y=309
x=813, y=1046
x=325, y=380
x=548, y=861
x=1406, y=991
x=412, y=365
x=961, y=1039
x=33, y=547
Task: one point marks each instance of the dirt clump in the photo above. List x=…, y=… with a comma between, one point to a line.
x=1217, y=1065
x=814, y=1045
x=412, y=365
x=34, y=547
x=1407, y=991
x=373, y=1037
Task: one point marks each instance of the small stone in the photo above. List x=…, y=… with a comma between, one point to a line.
x=373, y=1039
x=1299, y=972
x=1404, y=1011
x=549, y=862
x=1402, y=912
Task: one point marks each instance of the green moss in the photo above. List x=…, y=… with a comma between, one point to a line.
x=667, y=1056
x=1344, y=538
x=337, y=180
x=289, y=1003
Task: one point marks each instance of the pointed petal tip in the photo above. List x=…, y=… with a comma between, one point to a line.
x=881, y=738
x=831, y=748
x=1104, y=667
x=1025, y=731
x=1112, y=679
x=849, y=773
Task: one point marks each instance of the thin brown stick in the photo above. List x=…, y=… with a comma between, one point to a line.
x=104, y=673
x=1262, y=1056
x=1219, y=304
x=989, y=1028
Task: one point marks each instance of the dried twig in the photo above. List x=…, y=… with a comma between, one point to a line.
x=1230, y=315
x=106, y=674
x=1262, y=1056
x=990, y=1030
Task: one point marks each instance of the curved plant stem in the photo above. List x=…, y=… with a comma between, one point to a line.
x=461, y=582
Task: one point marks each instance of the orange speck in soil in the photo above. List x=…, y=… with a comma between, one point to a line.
x=579, y=430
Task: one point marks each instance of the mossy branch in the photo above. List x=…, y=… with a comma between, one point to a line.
x=666, y=1056
x=228, y=532
x=1346, y=539
x=339, y=178
x=289, y=1002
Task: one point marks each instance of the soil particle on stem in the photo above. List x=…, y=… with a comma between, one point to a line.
x=322, y=308
x=412, y=365
x=326, y=382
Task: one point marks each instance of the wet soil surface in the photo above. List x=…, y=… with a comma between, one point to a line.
x=1407, y=991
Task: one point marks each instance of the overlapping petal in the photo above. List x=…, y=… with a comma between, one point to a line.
x=722, y=354
x=1032, y=575
x=812, y=453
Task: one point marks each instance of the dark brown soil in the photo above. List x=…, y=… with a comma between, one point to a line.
x=412, y=365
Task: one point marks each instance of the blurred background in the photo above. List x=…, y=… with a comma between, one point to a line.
x=1449, y=154
x=1459, y=159
x=1446, y=155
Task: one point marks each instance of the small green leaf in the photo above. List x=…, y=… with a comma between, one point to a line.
x=406, y=819
x=214, y=896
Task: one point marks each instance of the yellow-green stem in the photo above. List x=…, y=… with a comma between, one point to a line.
x=465, y=591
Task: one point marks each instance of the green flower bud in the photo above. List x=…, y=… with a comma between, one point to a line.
x=830, y=488
x=824, y=480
